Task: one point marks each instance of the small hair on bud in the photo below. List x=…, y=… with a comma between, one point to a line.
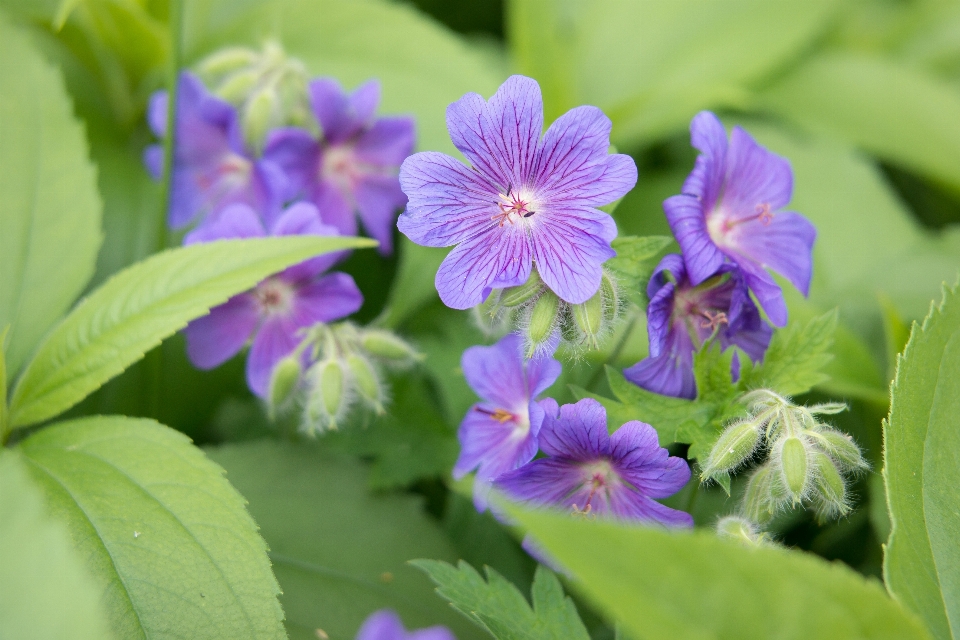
x=227, y=60
x=366, y=380
x=794, y=467
x=611, y=297
x=741, y=530
x=386, y=345
x=328, y=398
x=841, y=448
x=283, y=381
x=588, y=317
x=831, y=490
x=735, y=446
x=542, y=322
x=764, y=495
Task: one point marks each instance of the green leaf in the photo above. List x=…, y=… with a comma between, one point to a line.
x=50, y=211
x=898, y=112
x=496, y=605
x=635, y=261
x=796, y=356
x=45, y=591
x=652, y=581
x=339, y=551
x=3, y=385
x=167, y=538
x=921, y=468
x=136, y=309
x=652, y=65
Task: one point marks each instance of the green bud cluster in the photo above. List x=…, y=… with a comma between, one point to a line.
x=268, y=88
x=539, y=314
x=807, y=460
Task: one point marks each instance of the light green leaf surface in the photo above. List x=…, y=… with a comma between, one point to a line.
x=496, y=605
x=45, y=591
x=136, y=309
x=898, y=112
x=49, y=206
x=339, y=551
x=794, y=361
x=174, y=551
x=922, y=469
x=654, y=583
x=652, y=64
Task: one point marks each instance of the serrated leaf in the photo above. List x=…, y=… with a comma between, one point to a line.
x=50, y=215
x=635, y=261
x=652, y=581
x=140, y=306
x=339, y=551
x=168, y=540
x=797, y=353
x=496, y=605
x=921, y=467
x=45, y=591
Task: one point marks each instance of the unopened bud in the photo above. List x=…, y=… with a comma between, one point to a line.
x=589, y=317
x=543, y=320
x=326, y=401
x=237, y=86
x=515, y=296
x=793, y=465
x=763, y=495
x=227, y=60
x=611, y=299
x=734, y=446
x=841, y=448
x=830, y=486
x=386, y=345
x=739, y=529
x=258, y=116
x=283, y=380
x=366, y=381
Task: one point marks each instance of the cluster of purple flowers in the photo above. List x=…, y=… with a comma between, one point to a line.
x=730, y=227
x=584, y=469
x=302, y=183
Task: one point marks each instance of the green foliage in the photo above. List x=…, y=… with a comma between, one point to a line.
x=339, y=551
x=50, y=212
x=796, y=356
x=498, y=606
x=635, y=261
x=921, y=467
x=45, y=591
x=167, y=539
x=139, y=307
x=653, y=582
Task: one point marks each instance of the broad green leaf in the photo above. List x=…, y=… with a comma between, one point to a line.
x=3, y=384
x=136, y=309
x=634, y=262
x=496, y=605
x=45, y=591
x=652, y=64
x=50, y=209
x=173, y=550
x=898, y=112
x=339, y=552
x=921, y=468
x=654, y=582
x=796, y=356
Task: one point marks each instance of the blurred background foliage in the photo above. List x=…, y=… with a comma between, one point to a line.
x=863, y=97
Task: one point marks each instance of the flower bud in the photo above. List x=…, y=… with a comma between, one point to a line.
x=283, y=381
x=589, y=317
x=227, y=60
x=327, y=400
x=830, y=486
x=543, y=320
x=841, y=448
x=734, y=446
x=741, y=530
x=516, y=296
x=258, y=116
x=793, y=466
x=611, y=298
x=386, y=345
x=764, y=495
x=366, y=381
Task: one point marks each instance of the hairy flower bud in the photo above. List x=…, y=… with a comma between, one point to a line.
x=830, y=487
x=734, y=447
x=764, y=495
x=283, y=381
x=327, y=400
x=611, y=297
x=841, y=448
x=227, y=60
x=543, y=321
x=794, y=467
x=516, y=296
x=366, y=381
x=741, y=530
x=588, y=317
x=386, y=345
x=237, y=86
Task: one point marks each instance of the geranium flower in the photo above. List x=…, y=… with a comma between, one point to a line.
x=681, y=316
x=275, y=311
x=730, y=211
x=211, y=166
x=386, y=625
x=524, y=200
x=499, y=433
x=353, y=169
x=589, y=472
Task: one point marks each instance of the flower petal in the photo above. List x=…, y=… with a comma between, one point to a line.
x=340, y=115
x=544, y=481
x=784, y=244
x=496, y=373
x=464, y=122
x=578, y=433
x=633, y=505
x=303, y=218
x=215, y=338
x=705, y=182
x=153, y=157
x=671, y=372
x=297, y=154
x=493, y=446
x=569, y=247
x=388, y=142
x=277, y=337
x=642, y=462
x=756, y=178
x=498, y=258
x=542, y=371
x=512, y=127
x=379, y=198
x=332, y=297
x=685, y=214
x=233, y=221
x=335, y=208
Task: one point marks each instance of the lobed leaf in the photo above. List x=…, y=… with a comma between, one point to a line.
x=137, y=308
x=921, y=466
x=795, y=359
x=167, y=539
x=496, y=605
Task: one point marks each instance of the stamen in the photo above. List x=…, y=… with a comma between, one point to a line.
x=513, y=206
x=714, y=319
x=585, y=513
x=764, y=214
x=500, y=415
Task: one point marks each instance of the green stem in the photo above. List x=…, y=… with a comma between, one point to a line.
x=595, y=378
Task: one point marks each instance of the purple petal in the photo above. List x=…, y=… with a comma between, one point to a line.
x=297, y=154
x=708, y=136
x=784, y=244
x=332, y=297
x=464, y=122
x=496, y=373
x=542, y=372
x=387, y=143
x=544, y=481
x=755, y=177
x=578, y=433
x=670, y=373
x=659, y=319
x=647, y=466
x=379, y=198
x=215, y=338
x=234, y=221
x=431, y=633
x=493, y=446
x=569, y=247
x=633, y=505
x=153, y=157
x=303, y=218
x=335, y=209
x=768, y=292
x=499, y=258
x=157, y=112
x=685, y=214
x=447, y=201
x=513, y=125
x=277, y=338
x=382, y=625
x=342, y=116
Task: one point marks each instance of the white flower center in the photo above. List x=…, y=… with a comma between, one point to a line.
x=274, y=296
x=516, y=206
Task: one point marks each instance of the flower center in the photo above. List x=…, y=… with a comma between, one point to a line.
x=702, y=308
x=274, y=296
x=339, y=166
x=514, y=206
x=720, y=223
x=598, y=476
x=518, y=422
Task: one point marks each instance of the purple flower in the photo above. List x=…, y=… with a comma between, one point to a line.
x=275, y=311
x=681, y=316
x=386, y=625
x=590, y=472
x=730, y=211
x=353, y=169
x=524, y=200
x=211, y=167
x=499, y=433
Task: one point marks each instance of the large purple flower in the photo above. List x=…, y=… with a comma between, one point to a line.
x=524, y=200
x=587, y=471
x=499, y=433
x=681, y=316
x=386, y=625
x=730, y=211
x=275, y=311
x=211, y=167
x=353, y=169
